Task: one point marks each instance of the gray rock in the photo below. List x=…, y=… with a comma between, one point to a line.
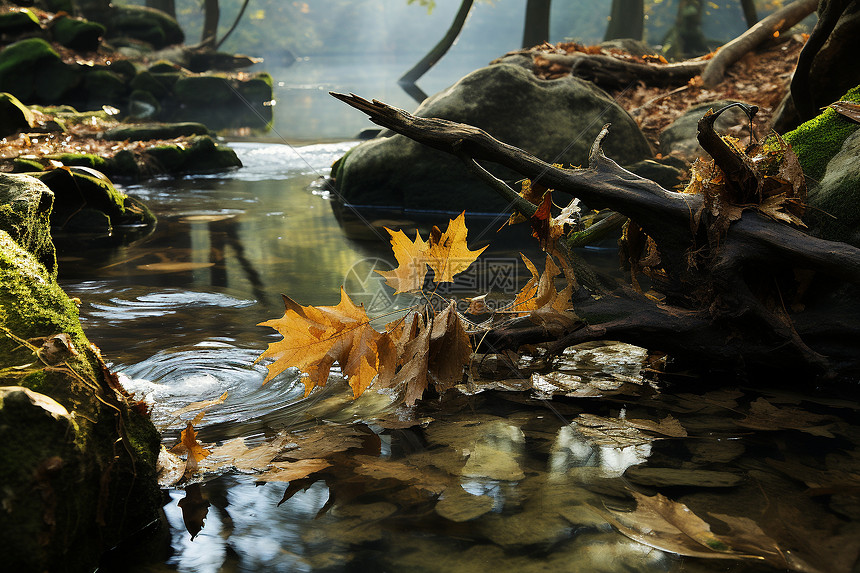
x=556, y=120
x=680, y=137
x=838, y=195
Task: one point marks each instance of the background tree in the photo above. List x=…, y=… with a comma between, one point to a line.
x=626, y=20
x=536, y=27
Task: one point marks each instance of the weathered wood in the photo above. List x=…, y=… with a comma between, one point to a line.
x=614, y=73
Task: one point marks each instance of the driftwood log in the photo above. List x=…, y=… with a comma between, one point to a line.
x=729, y=327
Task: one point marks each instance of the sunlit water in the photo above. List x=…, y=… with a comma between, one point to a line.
x=514, y=479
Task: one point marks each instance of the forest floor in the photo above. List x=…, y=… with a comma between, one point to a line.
x=760, y=78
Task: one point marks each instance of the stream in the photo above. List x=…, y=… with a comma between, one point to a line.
x=525, y=474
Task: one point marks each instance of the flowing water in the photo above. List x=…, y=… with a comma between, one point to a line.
x=534, y=473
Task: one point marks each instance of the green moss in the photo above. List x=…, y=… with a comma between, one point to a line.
x=146, y=81
x=82, y=159
x=203, y=91
x=200, y=153
x=26, y=165
x=19, y=63
x=818, y=140
x=25, y=207
x=104, y=87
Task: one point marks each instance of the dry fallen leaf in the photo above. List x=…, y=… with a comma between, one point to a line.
x=317, y=337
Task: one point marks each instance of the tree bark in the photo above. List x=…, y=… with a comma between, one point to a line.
x=626, y=20
x=536, y=28
x=732, y=323
x=211, y=16
x=777, y=22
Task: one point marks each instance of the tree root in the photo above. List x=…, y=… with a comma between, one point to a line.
x=710, y=312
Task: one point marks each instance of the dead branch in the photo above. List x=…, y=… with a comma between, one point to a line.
x=614, y=73
x=778, y=22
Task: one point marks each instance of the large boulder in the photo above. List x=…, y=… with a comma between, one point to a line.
x=78, y=460
x=556, y=120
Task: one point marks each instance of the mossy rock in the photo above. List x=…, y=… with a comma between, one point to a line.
x=123, y=164
x=257, y=89
x=150, y=131
x=75, y=191
x=164, y=67
x=200, y=154
x=14, y=116
x=79, y=159
x=834, y=202
x=25, y=210
x=146, y=81
x=146, y=24
x=124, y=68
x=19, y=22
x=33, y=72
x=78, y=469
x=77, y=33
x=203, y=91
x=819, y=139
x=103, y=87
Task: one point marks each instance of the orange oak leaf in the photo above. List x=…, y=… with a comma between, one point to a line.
x=412, y=345
x=317, y=337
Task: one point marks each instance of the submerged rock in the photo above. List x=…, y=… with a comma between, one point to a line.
x=556, y=120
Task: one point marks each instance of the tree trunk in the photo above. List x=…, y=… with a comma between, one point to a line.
x=166, y=6
x=626, y=20
x=536, y=29
x=211, y=16
x=750, y=15
x=409, y=78
x=686, y=39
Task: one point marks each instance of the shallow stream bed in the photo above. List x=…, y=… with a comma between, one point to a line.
x=582, y=465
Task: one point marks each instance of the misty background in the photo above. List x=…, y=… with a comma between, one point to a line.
x=363, y=46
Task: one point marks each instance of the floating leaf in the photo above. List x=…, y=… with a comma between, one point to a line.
x=847, y=109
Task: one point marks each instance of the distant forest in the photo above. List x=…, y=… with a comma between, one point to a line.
x=271, y=28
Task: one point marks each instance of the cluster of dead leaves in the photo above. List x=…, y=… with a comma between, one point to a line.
x=426, y=345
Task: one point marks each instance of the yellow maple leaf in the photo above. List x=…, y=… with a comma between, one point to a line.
x=188, y=444
x=411, y=262
x=450, y=255
x=317, y=337
x=447, y=254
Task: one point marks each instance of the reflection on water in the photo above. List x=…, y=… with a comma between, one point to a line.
x=525, y=474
